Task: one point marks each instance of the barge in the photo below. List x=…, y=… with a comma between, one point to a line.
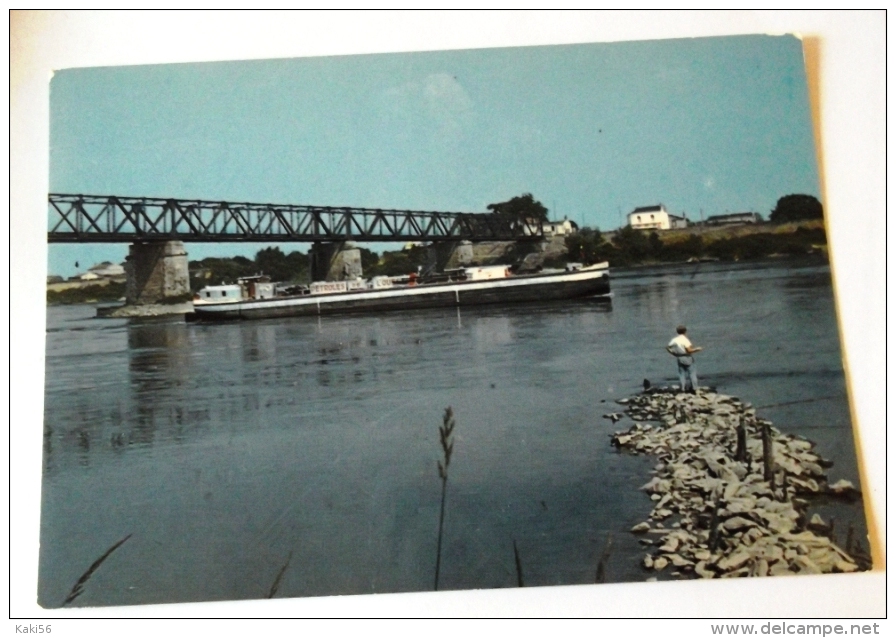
x=257, y=297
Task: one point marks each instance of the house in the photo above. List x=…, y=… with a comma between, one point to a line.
x=106, y=270
x=565, y=227
x=733, y=218
x=655, y=218
x=551, y=229
x=102, y=272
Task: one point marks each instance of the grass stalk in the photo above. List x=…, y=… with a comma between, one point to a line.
x=519, y=566
x=78, y=589
x=276, y=585
x=445, y=433
x=600, y=576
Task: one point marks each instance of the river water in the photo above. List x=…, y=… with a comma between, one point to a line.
x=229, y=451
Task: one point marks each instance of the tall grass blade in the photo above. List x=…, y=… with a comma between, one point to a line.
x=78, y=589
x=445, y=432
x=600, y=575
x=276, y=585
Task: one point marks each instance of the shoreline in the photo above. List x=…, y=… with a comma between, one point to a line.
x=143, y=310
x=729, y=499
x=625, y=272
x=637, y=270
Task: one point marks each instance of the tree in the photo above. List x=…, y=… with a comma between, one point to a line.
x=369, y=259
x=397, y=262
x=219, y=270
x=520, y=208
x=633, y=245
x=791, y=208
x=272, y=262
x=279, y=267
x=299, y=266
x=654, y=244
x=586, y=246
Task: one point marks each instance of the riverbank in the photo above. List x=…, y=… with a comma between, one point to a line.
x=81, y=292
x=144, y=310
x=623, y=249
x=690, y=270
x=732, y=493
x=629, y=247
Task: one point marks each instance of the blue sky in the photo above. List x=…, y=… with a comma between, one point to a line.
x=591, y=130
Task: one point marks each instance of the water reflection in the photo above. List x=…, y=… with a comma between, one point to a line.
x=159, y=364
x=228, y=446
x=109, y=410
x=492, y=331
x=658, y=299
x=259, y=341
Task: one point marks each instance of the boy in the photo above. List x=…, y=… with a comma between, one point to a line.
x=681, y=348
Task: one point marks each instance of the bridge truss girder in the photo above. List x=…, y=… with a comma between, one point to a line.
x=112, y=219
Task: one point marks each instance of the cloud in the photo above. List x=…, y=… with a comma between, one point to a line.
x=439, y=99
x=445, y=97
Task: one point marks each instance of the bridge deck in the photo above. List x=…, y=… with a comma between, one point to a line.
x=112, y=219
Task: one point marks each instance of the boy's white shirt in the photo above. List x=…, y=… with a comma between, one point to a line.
x=680, y=344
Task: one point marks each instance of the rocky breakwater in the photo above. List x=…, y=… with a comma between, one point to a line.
x=145, y=310
x=731, y=492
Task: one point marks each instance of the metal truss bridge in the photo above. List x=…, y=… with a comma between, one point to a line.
x=112, y=219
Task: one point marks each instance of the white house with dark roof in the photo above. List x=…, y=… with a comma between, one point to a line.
x=107, y=269
x=551, y=229
x=655, y=218
x=104, y=270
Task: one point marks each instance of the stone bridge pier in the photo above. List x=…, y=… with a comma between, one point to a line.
x=453, y=254
x=156, y=272
x=335, y=261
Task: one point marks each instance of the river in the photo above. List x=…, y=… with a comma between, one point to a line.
x=229, y=451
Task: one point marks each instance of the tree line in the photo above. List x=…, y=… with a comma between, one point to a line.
x=626, y=247
x=295, y=266
x=629, y=247
x=113, y=291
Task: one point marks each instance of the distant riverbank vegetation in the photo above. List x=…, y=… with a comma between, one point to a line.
x=795, y=227
x=112, y=291
x=629, y=247
x=625, y=247
x=295, y=266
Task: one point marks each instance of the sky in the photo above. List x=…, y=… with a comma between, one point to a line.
x=703, y=125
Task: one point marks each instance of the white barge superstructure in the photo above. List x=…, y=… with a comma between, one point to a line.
x=255, y=297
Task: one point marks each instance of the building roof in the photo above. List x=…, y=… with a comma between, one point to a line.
x=106, y=269
x=648, y=209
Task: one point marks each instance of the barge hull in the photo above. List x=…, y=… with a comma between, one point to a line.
x=514, y=290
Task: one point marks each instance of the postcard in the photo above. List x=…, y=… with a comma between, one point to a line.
x=441, y=321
